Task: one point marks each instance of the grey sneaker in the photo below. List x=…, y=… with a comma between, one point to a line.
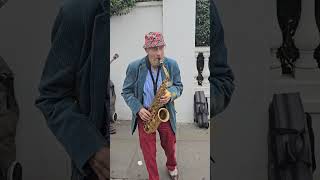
x=174, y=175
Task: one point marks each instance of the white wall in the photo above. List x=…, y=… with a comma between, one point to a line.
x=178, y=30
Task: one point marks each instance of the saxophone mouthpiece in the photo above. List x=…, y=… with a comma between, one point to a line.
x=160, y=60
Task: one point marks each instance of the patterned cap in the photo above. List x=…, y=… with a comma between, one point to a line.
x=153, y=39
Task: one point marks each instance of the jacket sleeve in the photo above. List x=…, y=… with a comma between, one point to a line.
x=128, y=89
x=221, y=76
x=177, y=87
x=73, y=129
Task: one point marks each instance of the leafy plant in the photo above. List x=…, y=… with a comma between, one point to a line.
x=121, y=7
x=147, y=0
x=202, y=23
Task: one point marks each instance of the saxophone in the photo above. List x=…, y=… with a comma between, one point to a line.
x=158, y=114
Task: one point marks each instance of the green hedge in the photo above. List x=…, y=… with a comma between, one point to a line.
x=202, y=23
x=147, y=0
x=122, y=7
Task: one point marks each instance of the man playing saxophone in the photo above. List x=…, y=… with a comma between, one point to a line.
x=151, y=84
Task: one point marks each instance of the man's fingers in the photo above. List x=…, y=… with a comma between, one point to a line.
x=148, y=114
x=165, y=100
x=104, y=171
x=144, y=118
x=100, y=163
x=97, y=171
x=145, y=114
x=104, y=163
x=100, y=176
x=166, y=95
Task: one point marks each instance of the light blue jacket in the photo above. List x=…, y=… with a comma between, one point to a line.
x=132, y=90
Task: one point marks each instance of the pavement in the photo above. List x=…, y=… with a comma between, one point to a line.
x=193, y=154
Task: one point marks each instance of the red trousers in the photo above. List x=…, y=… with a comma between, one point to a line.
x=148, y=147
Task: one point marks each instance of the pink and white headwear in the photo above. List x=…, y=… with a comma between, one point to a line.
x=153, y=39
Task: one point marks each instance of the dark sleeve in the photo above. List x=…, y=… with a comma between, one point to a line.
x=73, y=129
x=221, y=76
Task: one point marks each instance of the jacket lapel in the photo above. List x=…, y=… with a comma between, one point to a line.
x=142, y=73
x=99, y=74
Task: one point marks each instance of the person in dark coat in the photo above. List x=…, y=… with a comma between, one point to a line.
x=221, y=76
x=73, y=86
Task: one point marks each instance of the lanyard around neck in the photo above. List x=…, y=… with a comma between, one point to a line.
x=151, y=74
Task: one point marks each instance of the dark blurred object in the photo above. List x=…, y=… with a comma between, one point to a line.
x=316, y=53
x=290, y=139
x=113, y=96
x=200, y=66
x=12, y=172
x=211, y=166
x=2, y=2
x=115, y=56
x=113, y=113
x=9, y=115
x=201, y=108
x=288, y=13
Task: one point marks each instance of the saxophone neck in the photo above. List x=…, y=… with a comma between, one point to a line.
x=165, y=70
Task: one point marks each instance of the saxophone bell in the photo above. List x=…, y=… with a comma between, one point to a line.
x=163, y=114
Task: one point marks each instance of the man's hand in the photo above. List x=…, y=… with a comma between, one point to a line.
x=145, y=114
x=100, y=163
x=165, y=98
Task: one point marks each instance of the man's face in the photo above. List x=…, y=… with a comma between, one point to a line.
x=155, y=54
